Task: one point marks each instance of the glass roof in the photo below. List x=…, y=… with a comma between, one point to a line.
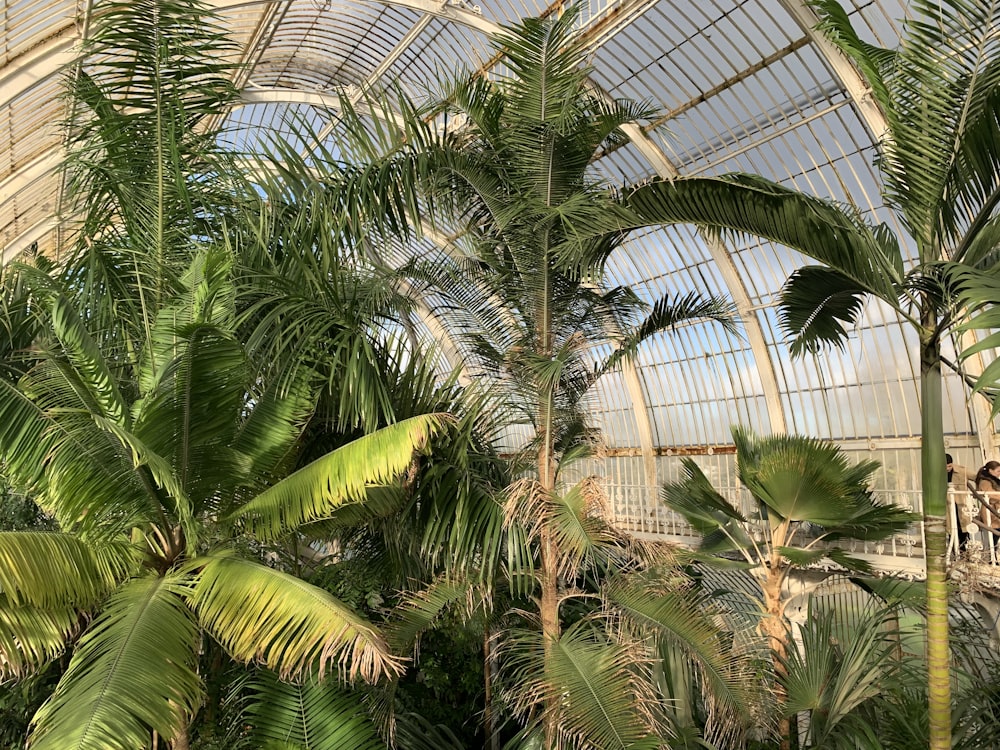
x=742, y=86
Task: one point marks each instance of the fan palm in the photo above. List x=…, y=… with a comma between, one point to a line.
x=939, y=93
x=503, y=162
x=805, y=496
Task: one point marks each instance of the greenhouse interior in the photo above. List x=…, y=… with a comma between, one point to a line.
x=426, y=375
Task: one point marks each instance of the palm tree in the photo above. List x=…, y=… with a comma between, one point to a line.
x=169, y=486
x=168, y=452
x=503, y=162
x=804, y=498
x=939, y=93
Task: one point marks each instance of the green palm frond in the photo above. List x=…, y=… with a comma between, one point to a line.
x=30, y=637
x=577, y=525
x=50, y=569
x=718, y=520
x=940, y=98
x=418, y=612
x=800, y=478
x=262, y=615
x=339, y=477
x=414, y=732
x=547, y=71
x=834, y=235
x=25, y=439
x=190, y=413
x=817, y=305
x=133, y=670
x=88, y=365
x=691, y=625
x=276, y=419
x=597, y=685
x=980, y=292
x=76, y=469
x=830, y=679
x=310, y=715
x=667, y=313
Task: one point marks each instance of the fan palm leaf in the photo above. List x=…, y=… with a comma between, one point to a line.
x=939, y=91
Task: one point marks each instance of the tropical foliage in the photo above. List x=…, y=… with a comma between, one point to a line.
x=805, y=497
x=503, y=163
x=161, y=484
x=938, y=92
x=167, y=453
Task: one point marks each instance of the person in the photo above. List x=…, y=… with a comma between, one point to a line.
x=958, y=475
x=959, y=478
x=988, y=484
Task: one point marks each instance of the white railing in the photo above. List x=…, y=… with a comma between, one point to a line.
x=639, y=511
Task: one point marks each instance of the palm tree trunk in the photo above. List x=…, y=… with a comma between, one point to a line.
x=548, y=569
x=549, y=611
x=935, y=549
x=773, y=627
x=489, y=716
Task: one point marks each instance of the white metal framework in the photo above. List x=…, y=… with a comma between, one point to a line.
x=743, y=85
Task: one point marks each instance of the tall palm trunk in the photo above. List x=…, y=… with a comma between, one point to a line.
x=935, y=501
x=773, y=627
x=548, y=573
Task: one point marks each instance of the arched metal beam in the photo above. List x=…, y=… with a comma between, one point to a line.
x=445, y=10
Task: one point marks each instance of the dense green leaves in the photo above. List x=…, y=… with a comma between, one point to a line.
x=341, y=476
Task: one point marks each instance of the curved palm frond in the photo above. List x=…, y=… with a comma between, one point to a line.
x=419, y=611
x=311, y=715
x=50, y=569
x=76, y=470
x=339, y=477
x=720, y=523
x=134, y=669
x=690, y=625
x=834, y=235
x=97, y=383
x=414, y=732
x=191, y=409
x=940, y=97
x=667, y=313
x=597, y=685
x=817, y=304
x=980, y=292
x=30, y=637
x=265, y=616
x=831, y=679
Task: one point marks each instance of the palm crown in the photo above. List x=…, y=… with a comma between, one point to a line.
x=161, y=485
